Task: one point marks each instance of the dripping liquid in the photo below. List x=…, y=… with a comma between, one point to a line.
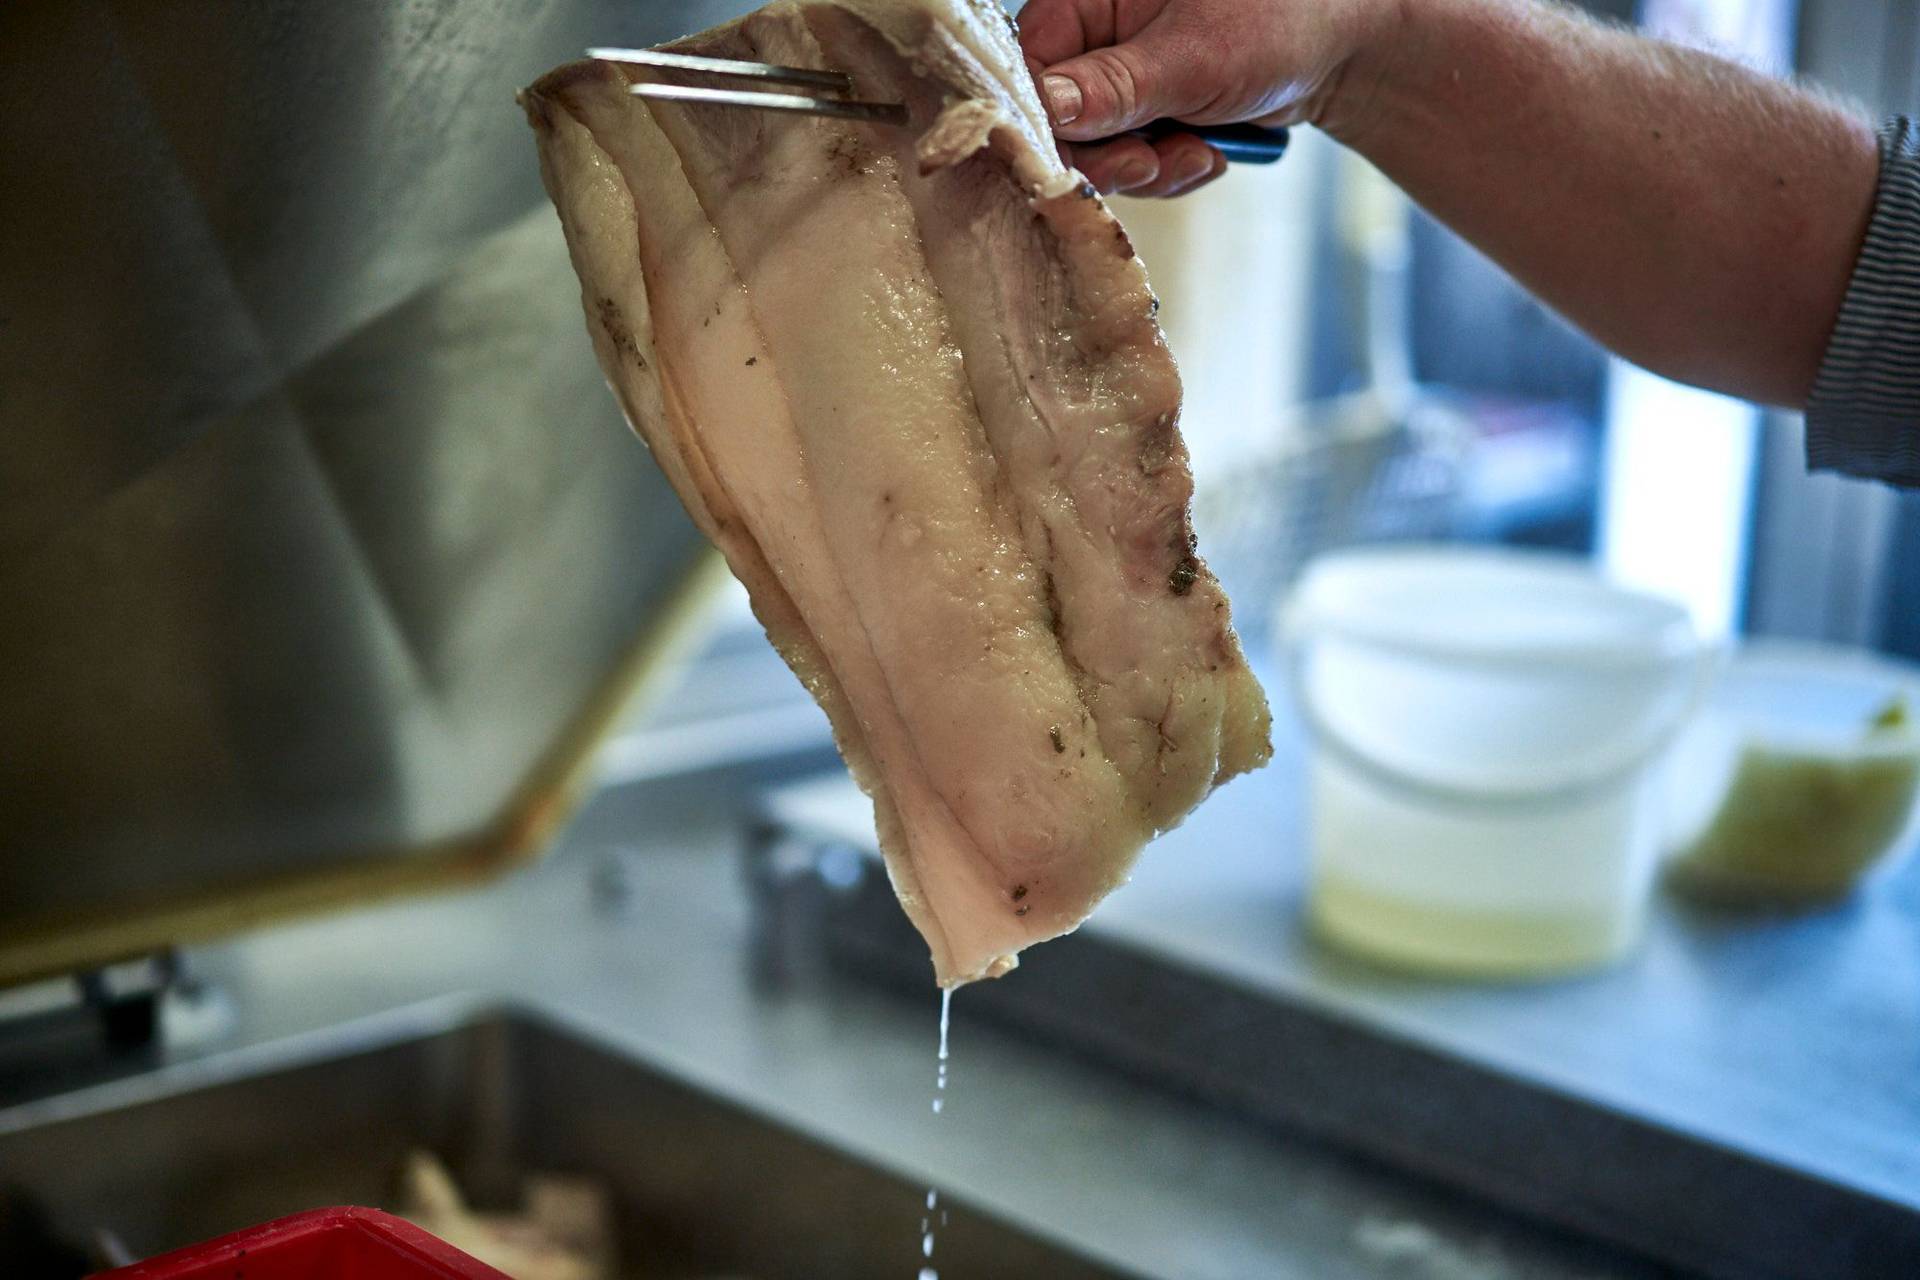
x=940, y=1077
x=927, y=1271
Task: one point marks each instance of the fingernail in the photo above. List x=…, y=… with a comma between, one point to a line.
x=1193, y=165
x=1134, y=173
x=1063, y=98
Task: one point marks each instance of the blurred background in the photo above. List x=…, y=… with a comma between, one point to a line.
x=1356, y=373
x=336, y=589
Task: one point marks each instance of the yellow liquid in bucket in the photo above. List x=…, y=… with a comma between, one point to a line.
x=1433, y=938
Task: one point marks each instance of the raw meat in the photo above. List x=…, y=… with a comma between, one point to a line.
x=909, y=381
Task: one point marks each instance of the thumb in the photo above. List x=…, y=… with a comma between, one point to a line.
x=1106, y=91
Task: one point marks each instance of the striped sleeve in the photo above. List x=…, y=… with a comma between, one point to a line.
x=1863, y=417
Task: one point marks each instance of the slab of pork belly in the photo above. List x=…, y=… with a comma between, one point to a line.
x=908, y=380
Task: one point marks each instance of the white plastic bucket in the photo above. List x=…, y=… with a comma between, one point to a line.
x=1483, y=729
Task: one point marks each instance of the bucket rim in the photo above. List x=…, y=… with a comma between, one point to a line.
x=1668, y=638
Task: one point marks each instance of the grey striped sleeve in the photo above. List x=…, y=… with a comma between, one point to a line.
x=1863, y=417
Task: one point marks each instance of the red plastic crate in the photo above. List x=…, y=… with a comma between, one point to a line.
x=341, y=1243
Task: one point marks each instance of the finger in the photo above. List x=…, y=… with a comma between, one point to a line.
x=1186, y=163
x=1054, y=30
x=1111, y=89
x=1121, y=165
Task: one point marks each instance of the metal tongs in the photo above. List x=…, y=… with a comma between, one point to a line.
x=1246, y=143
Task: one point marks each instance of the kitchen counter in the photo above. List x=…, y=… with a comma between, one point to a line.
x=1739, y=1095
x=1795, y=1038
x=639, y=931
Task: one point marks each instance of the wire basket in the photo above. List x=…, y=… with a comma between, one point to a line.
x=1355, y=472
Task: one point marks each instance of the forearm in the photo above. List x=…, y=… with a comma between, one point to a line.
x=1696, y=217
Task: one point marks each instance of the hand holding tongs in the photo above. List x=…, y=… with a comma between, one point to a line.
x=1246, y=143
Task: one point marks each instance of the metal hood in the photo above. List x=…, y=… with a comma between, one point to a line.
x=324, y=553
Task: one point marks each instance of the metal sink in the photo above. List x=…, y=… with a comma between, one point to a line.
x=701, y=1186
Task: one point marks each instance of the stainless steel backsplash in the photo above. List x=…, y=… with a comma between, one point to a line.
x=317, y=523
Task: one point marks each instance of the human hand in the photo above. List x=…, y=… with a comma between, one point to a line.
x=1107, y=66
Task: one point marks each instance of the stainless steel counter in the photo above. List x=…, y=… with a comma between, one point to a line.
x=1737, y=1096
x=1791, y=1039
x=663, y=970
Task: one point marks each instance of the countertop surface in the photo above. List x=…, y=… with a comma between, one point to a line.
x=663, y=970
x=1793, y=1037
